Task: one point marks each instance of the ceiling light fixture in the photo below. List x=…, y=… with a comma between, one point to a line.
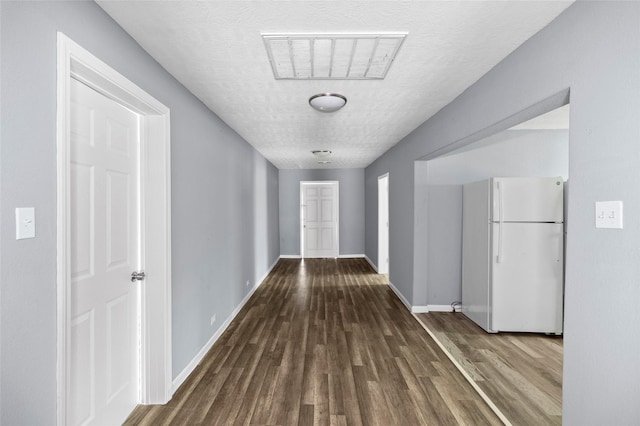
x=324, y=162
x=321, y=153
x=327, y=102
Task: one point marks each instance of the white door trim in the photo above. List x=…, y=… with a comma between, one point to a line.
x=336, y=184
x=383, y=227
x=155, y=209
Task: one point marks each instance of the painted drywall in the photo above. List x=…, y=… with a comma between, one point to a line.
x=509, y=153
x=224, y=205
x=593, y=50
x=421, y=235
x=444, y=245
x=401, y=219
x=351, y=208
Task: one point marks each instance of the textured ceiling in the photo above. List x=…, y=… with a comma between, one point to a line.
x=215, y=49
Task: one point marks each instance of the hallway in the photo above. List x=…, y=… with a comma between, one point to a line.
x=322, y=341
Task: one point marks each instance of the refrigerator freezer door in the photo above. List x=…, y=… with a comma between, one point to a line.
x=518, y=199
x=527, y=282
x=475, y=252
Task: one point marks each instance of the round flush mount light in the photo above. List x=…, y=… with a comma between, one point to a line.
x=321, y=153
x=324, y=162
x=327, y=102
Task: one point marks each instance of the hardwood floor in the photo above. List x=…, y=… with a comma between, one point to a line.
x=323, y=342
x=520, y=372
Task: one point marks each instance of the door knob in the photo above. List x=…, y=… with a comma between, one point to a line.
x=137, y=276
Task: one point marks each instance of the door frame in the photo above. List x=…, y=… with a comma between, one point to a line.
x=154, y=294
x=334, y=183
x=383, y=266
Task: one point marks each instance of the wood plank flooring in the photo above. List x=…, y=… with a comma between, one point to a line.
x=323, y=342
x=520, y=372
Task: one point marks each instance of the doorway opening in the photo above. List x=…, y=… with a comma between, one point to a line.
x=319, y=219
x=535, y=148
x=149, y=165
x=383, y=224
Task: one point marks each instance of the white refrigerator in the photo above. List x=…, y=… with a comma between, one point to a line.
x=512, y=254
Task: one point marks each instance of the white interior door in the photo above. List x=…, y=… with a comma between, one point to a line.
x=383, y=224
x=319, y=219
x=102, y=364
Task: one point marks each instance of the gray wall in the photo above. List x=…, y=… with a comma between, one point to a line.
x=224, y=207
x=444, y=245
x=593, y=48
x=351, y=208
x=509, y=153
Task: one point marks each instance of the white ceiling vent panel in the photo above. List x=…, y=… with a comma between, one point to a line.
x=332, y=56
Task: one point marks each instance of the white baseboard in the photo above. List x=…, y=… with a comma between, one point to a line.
x=464, y=373
x=262, y=278
x=200, y=355
x=404, y=301
x=341, y=256
x=375, y=268
x=196, y=360
x=433, y=308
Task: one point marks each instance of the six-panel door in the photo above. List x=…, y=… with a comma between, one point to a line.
x=104, y=182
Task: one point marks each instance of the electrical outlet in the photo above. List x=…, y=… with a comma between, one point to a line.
x=247, y=284
x=213, y=319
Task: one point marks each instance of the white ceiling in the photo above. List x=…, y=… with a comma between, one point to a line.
x=215, y=49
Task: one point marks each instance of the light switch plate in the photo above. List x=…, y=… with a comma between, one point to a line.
x=609, y=214
x=25, y=223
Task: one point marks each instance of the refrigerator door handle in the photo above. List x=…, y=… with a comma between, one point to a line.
x=499, y=203
x=500, y=212
x=499, y=256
